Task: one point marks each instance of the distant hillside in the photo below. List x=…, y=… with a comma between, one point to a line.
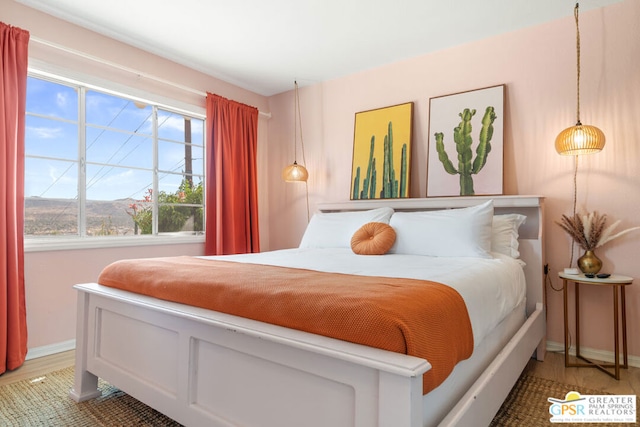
x=45, y=217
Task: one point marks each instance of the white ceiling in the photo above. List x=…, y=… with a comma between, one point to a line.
x=264, y=45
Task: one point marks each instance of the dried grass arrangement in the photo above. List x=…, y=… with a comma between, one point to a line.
x=589, y=231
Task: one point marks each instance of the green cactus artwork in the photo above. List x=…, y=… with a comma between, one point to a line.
x=382, y=153
x=392, y=186
x=467, y=166
x=369, y=183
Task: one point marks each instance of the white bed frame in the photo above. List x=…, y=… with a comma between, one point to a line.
x=204, y=368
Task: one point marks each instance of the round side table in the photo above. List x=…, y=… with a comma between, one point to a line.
x=618, y=284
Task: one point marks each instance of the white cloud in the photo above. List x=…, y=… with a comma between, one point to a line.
x=171, y=121
x=62, y=99
x=43, y=132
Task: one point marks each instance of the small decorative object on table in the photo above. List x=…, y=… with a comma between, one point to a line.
x=589, y=232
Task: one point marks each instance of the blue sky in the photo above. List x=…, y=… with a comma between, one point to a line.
x=119, y=133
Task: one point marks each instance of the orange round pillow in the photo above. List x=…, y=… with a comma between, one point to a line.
x=373, y=238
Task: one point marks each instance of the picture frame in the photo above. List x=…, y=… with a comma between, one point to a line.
x=381, y=162
x=475, y=164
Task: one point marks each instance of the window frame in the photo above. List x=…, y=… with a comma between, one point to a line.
x=82, y=241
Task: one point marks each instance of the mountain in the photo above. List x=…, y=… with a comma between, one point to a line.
x=47, y=217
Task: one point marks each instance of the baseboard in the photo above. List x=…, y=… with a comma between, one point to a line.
x=590, y=353
x=48, y=350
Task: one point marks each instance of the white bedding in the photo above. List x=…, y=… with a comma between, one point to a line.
x=491, y=288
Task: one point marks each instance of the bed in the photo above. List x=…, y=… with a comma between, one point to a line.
x=206, y=367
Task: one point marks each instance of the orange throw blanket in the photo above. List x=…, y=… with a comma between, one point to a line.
x=420, y=318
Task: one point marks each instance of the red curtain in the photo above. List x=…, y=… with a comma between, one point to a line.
x=14, y=44
x=231, y=190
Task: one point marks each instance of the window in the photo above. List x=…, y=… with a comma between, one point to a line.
x=102, y=164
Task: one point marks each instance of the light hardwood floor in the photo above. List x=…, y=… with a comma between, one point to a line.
x=552, y=368
x=40, y=366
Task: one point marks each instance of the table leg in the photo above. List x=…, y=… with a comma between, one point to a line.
x=616, y=332
x=566, y=323
x=577, y=301
x=624, y=328
x=619, y=320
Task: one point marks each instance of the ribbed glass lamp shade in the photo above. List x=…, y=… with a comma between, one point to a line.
x=580, y=139
x=295, y=173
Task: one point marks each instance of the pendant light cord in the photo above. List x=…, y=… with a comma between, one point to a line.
x=297, y=117
x=575, y=201
x=296, y=114
x=575, y=168
x=575, y=14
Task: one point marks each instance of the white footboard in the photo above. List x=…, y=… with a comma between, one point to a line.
x=205, y=368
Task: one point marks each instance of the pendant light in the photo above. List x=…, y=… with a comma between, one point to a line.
x=295, y=172
x=579, y=139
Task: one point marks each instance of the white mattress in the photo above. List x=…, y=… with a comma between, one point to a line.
x=491, y=288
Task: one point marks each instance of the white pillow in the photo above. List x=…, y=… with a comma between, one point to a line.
x=462, y=232
x=334, y=230
x=504, y=235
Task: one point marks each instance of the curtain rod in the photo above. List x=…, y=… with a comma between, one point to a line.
x=127, y=69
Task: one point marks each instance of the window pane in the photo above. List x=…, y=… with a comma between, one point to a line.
x=50, y=178
x=116, y=148
x=173, y=126
x=197, y=165
x=169, y=183
x=119, y=113
x=141, y=215
x=113, y=218
x=178, y=188
x=174, y=157
x=50, y=217
x=51, y=138
x=118, y=200
x=52, y=99
x=177, y=197
x=108, y=183
x=176, y=218
x=197, y=131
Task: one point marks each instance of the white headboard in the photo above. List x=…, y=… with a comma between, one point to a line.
x=531, y=232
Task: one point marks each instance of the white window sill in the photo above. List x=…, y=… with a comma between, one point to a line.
x=70, y=243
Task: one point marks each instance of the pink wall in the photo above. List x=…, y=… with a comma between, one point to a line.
x=538, y=66
x=49, y=276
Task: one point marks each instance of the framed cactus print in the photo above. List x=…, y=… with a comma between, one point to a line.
x=382, y=153
x=466, y=133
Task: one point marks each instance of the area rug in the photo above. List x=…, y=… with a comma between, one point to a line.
x=527, y=404
x=44, y=401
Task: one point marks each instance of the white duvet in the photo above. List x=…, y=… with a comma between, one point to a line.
x=491, y=288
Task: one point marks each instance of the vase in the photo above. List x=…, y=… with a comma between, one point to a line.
x=589, y=262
